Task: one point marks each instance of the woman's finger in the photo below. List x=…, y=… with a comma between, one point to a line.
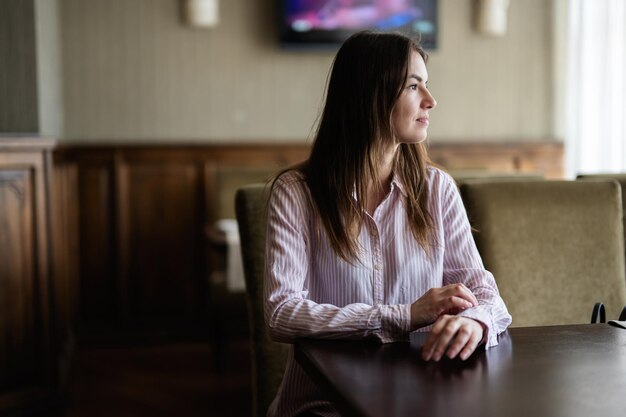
x=472, y=344
x=454, y=304
x=443, y=331
x=454, y=336
x=460, y=340
x=460, y=290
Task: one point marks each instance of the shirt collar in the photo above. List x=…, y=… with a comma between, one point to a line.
x=397, y=183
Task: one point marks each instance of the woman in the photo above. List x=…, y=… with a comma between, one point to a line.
x=366, y=239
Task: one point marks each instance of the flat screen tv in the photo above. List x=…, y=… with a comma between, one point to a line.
x=327, y=23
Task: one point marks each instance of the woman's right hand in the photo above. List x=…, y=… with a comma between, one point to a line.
x=449, y=299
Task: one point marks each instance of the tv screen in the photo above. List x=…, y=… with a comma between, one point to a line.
x=330, y=22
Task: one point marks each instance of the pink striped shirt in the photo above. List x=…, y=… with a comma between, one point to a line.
x=311, y=292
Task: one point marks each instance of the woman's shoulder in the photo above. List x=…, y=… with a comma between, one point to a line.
x=438, y=178
x=291, y=182
x=290, y=178
x=291, y=192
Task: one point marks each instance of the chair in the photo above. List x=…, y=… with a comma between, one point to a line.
x=555, y=247
x=621, y=179
x=268, y=357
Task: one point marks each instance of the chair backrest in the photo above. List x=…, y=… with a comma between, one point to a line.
x=268, y=357
x=621, y=179
x=555, y=247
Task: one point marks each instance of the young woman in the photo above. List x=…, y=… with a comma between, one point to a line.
x=366, y=239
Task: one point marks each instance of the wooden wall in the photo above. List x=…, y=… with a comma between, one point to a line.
x=112, y=241
x=31, y=351
x=143, y=212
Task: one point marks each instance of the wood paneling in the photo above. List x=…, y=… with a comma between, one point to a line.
x=544, y=158
x=29, y=365
x=20, y=357
x=65, y=261
x=164, y=215
x=143, y=212
x=144, y=209
x=97, y=237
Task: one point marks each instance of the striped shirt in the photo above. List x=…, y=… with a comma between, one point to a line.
x=311, y=292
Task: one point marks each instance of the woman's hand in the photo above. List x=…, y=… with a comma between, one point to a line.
x=450, y=299
x=452, y=336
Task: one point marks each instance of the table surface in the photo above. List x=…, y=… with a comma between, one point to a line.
x=569, y=371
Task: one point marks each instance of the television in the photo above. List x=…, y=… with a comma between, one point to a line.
x=327, y=23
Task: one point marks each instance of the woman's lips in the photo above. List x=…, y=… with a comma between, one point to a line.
x=423, y=120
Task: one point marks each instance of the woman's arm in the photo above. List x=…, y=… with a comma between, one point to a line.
x=462, y=264
x=288, y=311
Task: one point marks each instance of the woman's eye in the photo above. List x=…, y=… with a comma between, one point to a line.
x=413, y=87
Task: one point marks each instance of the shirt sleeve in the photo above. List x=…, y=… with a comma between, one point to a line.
x=288, y=311
x=462, y=264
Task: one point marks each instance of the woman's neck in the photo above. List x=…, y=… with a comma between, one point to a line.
x=376, y=192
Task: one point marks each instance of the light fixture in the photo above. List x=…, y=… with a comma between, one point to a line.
x=491, y=16
x=200, y=13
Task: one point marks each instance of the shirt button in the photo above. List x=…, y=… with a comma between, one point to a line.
x=378, y=267
x=374, y=233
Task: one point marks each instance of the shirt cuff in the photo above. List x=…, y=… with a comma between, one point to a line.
x=482, y=314
x=395, y=322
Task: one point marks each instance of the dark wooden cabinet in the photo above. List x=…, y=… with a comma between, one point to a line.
x=29, y=347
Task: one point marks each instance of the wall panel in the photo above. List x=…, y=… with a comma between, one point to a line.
x=20, y=358
x=147, y=212
x=29, y=361
x=164, y=212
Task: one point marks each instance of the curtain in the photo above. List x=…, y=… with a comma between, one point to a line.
x=595, y=95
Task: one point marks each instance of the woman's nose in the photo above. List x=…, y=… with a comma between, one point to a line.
x=429, y=101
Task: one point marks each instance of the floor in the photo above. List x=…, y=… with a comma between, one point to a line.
x=166, y=379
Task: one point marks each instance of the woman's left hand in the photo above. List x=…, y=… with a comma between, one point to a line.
x=453, y=336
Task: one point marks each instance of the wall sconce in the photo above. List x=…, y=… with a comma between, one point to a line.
x=491, y=16
x=200, y=13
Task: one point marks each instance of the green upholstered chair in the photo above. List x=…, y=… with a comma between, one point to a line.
x=268, y=357
x=621, y=179
x=555, y=247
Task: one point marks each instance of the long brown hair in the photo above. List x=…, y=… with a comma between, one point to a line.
x=367, y=77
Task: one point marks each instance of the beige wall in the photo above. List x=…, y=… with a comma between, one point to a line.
x=49, y=70
x=132, y=71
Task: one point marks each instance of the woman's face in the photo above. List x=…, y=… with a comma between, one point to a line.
x=409, y=116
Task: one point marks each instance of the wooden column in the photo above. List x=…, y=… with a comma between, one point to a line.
x=29, y=366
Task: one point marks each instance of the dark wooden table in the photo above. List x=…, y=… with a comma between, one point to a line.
x=554, y=371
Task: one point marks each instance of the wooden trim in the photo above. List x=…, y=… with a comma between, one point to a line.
x=121, y=236
x=16, y=143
